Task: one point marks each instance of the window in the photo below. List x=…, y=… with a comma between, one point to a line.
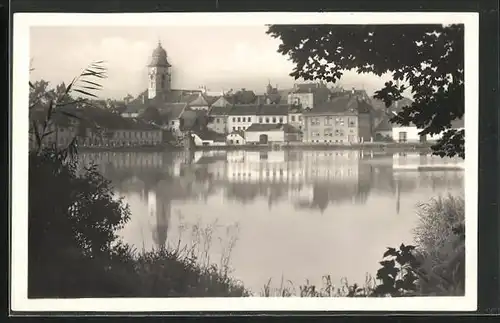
x=217, y=120
x=239, y=128
x=293, y=118
x=315, y=134
x=403, y=136
x=352, y=122
x=274, y=119
x=234, y=119
x=314, y=121
x=339, y=132
x=300, y=118
x=328, y=133
x=267, y=120
x=339, y=121
x=239, y=119
x=281, y=119
x=260, y=120
x=249, y=119
x=234, y=128
x=237, y=141
x=328, y=121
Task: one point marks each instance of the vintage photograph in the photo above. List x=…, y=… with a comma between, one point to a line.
x=265, y=160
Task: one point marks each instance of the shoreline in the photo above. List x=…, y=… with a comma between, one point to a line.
x=380, y=147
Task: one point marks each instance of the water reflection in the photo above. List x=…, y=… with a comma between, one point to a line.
x=285, y=183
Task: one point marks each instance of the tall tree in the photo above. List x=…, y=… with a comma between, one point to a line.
x=151, y=114
x=429, y=59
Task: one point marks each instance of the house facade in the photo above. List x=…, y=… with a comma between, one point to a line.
x=240, y=117
x=218, y=119
x=265, y=133
x=236, y=138
x=272, y=114
x=341, y=120
x=132, y=135
x=410, y=134
x=295, y=117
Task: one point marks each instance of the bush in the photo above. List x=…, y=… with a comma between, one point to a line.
x=440, y=237
x=72, y=222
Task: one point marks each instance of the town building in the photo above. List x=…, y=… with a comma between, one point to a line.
x=161, y=95
x=208, y=138
x=172, y=113
x=218, y=116
x=236, y=138
x=411, y=133
x=240, y=117
x=272, y=114
x=295, y=117
x=129, y=133
x=343, y=119
x=259, y=133
x=202, y=102
x=308, y=94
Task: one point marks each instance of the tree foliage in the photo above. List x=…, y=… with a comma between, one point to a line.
x=151, y=114
x=429, y=59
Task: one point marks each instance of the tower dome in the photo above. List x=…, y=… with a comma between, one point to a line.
x=159, y=57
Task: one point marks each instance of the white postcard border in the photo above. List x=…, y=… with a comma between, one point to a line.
x=21, y=33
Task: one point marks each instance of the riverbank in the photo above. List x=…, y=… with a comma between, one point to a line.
x=373, y=147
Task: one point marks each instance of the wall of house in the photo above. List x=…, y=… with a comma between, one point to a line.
x=305, y=99
x=283, y=119
x=273, y=136
x=200, y=142
x=296, y=120
x=411, y=133
x=59, y=136
x=364, y=127
x=123, y=137
x=235, y=140
x=218, y=124
x=235, y=123
x=331, y=129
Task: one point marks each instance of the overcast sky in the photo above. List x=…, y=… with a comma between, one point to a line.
x=219, y=58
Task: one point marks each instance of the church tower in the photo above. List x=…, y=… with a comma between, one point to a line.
x=159, y=74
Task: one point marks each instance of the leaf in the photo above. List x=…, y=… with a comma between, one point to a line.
x=390, y=252
x=85, y=93
x=92, y=83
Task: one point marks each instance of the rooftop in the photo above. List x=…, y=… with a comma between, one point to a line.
x=346, y=104
x=264, y=127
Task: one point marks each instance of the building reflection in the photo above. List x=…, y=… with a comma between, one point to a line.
x=305, y=179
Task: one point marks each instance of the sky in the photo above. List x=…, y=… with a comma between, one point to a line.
x=217, y=57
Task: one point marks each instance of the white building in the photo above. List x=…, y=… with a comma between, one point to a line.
x=236, y=138
x=240, y=117
x=265, y=133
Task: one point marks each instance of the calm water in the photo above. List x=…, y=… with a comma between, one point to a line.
x=298, y=215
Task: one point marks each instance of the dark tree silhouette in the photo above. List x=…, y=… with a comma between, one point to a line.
x=429, y=58
x=151, y=114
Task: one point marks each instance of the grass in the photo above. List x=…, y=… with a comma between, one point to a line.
x=327, y=289
x=440, y=240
